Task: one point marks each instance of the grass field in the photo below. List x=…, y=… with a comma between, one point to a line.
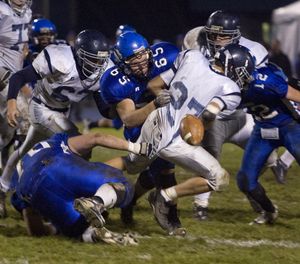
x=225, y=238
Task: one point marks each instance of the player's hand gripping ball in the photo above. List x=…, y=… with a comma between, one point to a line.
x=192, y=130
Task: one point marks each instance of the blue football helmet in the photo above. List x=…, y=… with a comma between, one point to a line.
x=222, y=28
x=20, y=6
x=133, y=55
x=237, y=62
x=92, y=55
x=43, y=32
x=123, y=29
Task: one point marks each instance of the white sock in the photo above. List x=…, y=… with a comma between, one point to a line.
x=202, y=199
x=169, y=194
x=108, y=194
x=87, y=235
x=287, y=158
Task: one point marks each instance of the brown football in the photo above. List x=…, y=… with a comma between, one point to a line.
x=191, y=130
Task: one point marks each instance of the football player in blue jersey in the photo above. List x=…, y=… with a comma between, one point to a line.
x=88, y=189
x=267, y=97
x=42, y=33
x=125, y=87
x=123, y=29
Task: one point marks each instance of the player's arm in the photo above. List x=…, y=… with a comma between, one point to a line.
x=293, y=94
x=16, y=82
x=83, y=144
x=213, y=108
x=156, y=85
x=132, y=117
x=35, y=225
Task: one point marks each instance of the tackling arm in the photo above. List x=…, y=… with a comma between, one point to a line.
x=131, y=116
x=83, y=144
x=156, y=85
x=293, y=94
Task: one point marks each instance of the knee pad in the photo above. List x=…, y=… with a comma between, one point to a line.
x=220, y=180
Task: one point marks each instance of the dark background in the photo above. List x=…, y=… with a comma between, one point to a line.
x=162, y=19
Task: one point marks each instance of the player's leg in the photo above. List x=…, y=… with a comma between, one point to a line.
x=291, y=139
x=211, y=176
x=255, y=156
x=213, y=140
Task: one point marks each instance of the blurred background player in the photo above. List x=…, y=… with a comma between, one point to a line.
x=125, y=87
x=123, y=29
x=62, y=76
x=223, y=28
x=89, y=188
x=42, y=33
x=15, y=17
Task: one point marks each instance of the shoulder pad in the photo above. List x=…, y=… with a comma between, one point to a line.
x=61, y=57
x=115, y=86
x=5, y=9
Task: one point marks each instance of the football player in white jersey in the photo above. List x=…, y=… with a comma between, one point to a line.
x=15, y=16
x=63, y=75
x=223, y=28
x=196, y=88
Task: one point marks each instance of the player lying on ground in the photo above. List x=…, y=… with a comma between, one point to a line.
x=56, y=183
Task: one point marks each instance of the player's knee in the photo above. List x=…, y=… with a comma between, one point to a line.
x=220, y=180
x=242, y=181
x=134, y=166
x=146, y=180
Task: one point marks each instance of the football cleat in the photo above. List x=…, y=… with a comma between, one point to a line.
x=160, y=209
x=266, y=217
x=113, y=238
x=176, y=228
x=91, y=209
x=200, y=212
x=280, y=171
x=3, y=212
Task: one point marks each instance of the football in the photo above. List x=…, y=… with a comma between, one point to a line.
x=192, y=130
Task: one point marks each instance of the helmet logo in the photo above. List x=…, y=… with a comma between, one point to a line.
x=139, y=49
x=44, y=30
x=216, y=28
x=102, y=53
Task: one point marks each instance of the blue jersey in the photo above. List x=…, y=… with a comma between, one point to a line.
x=52, y=177
x=263, y=98
x=116, y=86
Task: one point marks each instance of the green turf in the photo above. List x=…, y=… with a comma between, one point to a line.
x=225, y=238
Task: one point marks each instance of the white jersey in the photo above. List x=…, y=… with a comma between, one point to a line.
x=191, y=41
x=13, y=36
x=60, y=84
x=193, y=85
